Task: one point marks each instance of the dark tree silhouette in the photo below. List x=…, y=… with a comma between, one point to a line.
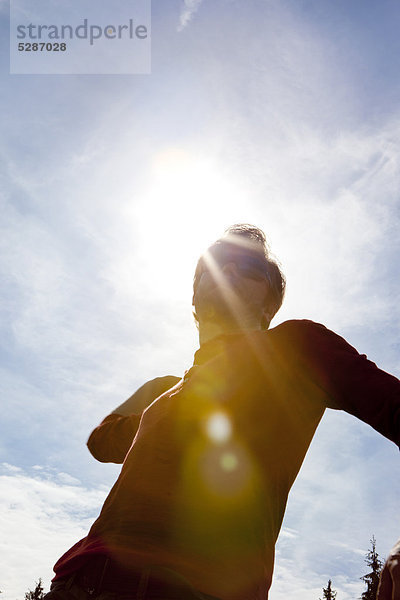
x=37, y=593
x=372, y=579
x=328, y=592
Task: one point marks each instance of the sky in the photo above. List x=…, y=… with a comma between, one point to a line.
x=281, y=113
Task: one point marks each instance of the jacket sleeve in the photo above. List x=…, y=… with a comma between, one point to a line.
x=110, y=441
x=349, y=380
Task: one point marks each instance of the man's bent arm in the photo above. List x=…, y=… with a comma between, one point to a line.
x=111, y=440
x=145, y=395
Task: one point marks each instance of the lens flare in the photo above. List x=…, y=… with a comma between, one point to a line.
x=228, y=462
x=219, y=427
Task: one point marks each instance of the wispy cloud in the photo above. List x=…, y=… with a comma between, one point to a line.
x=188, y=10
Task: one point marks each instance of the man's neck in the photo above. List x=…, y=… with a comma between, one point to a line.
x=209, y=330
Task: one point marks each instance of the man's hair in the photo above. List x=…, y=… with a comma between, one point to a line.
x=253, y=238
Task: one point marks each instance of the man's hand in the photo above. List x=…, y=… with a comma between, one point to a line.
x=389, y=584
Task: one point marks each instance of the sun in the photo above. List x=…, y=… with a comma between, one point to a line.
x=187, y=203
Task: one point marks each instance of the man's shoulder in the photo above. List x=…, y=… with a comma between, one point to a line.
x=297, y=325
x=303, y=335
x=309, y=337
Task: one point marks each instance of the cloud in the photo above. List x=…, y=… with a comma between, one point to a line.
x=43, y=513
x=190, y=7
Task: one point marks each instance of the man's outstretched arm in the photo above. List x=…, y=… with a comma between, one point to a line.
x=111, y=440
x=348, y=379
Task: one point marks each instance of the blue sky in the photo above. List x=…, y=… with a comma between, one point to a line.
x=280, y=113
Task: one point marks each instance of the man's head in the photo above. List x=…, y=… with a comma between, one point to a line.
x=236, y=283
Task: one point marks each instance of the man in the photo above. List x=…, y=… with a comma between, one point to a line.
x=389, y=584
x=208, y=465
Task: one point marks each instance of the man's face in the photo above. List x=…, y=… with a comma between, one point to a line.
x=231, y=286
